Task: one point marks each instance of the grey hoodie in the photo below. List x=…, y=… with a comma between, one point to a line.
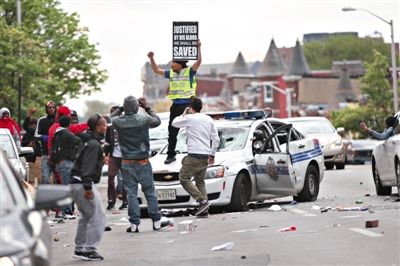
x=133, y=129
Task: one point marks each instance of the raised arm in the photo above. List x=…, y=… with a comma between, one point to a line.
x=196, y=65
x=154, y=66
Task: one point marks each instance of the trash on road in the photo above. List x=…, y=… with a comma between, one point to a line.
x=353, y=209
x=186, y=226
x=226, y=246
x=115, y=212
x=367, y=195
x=337, y=225
x=372, y=224
x=67, y=245
x=275, y=208
x=315, y=208
x=107, y=228
x=245, y=231
x=288, y=229
x=264, y=226
x=359, y=202
x=293, y=202
x=56, y=237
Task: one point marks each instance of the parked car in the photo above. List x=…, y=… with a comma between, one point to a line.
x=25, y=235
x=360, y=150
x=15, y=154
x=386, y=164
x=251, y=163
x=331, y=142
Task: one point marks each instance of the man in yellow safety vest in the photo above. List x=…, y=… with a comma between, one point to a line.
x=182, y=86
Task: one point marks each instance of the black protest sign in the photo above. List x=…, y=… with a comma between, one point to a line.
x=184, y=40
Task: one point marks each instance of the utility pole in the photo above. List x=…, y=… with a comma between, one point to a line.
x=19, y=22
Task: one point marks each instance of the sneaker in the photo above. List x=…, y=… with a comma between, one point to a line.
x=163, y=222
x=204, y=205
x=124, y=205
x=79, y=255
x=170, y=160
x=203, y=215
x=92, y=256
x=69, y=216
x=133, y=229
x=110, y=206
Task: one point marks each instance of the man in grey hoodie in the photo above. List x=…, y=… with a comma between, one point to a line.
x=133, y=134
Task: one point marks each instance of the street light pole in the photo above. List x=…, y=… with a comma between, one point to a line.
x=393, y=55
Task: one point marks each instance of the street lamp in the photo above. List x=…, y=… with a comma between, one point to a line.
x=393, y=54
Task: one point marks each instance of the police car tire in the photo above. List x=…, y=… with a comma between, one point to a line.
x=340, y=166
x=380, y=190
x=305, y=194
x=240, y=194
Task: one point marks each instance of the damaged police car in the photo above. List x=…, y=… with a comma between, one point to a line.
x=257, y=158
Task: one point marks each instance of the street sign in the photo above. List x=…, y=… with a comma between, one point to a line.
x=184, y=40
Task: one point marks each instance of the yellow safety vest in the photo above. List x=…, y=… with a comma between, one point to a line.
x=179, y=85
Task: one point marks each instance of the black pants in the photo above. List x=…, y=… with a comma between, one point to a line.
x=175, y=110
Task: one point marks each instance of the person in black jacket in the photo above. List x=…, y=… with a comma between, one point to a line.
x=42, y=134
x=85, y=173
x=112, y=151
x=28, y=140
x=66, y=154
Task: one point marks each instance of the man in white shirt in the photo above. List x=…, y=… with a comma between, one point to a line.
x=202, y=142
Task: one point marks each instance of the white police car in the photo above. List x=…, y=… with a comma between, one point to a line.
x=254, y=161
x=386, y=163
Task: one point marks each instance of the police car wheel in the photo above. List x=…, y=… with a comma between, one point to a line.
x=380, y=190
x=311, y=186
x=240, y=194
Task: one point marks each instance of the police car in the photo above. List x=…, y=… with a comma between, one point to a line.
x=386, y=163
x=257, y=158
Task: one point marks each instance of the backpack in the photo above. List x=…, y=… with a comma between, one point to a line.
x=55, y=152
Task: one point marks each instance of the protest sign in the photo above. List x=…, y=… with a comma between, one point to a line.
x=184, y=40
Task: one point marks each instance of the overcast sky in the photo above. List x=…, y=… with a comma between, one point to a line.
x=126, y=30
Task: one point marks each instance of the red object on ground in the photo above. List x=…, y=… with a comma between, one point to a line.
x=287, y=229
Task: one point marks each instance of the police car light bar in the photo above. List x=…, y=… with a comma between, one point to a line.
x=239, y=115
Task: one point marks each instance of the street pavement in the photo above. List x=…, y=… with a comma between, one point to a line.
x=328, y=237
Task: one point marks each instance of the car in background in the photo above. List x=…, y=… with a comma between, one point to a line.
x=159, y=135
x=322, y=129
x=15, y=154
x=25, y=234
x=359, y=151
x=386, y=163
x=251, y=163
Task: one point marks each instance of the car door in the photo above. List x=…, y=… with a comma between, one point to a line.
x=273, y=168
x=391, y=144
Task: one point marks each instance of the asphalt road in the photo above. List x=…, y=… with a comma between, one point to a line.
x=321, y=238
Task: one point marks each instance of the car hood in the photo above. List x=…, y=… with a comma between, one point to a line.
x=14, y=236
x=325, y=139
x=158, y=165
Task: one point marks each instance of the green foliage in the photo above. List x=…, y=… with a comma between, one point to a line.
x=50, y=50
x=321, y=54
x=376, y=87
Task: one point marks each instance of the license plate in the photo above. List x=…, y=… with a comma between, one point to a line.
x=166, y=194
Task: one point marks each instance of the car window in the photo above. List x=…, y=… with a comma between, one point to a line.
x=7, y=145
x=231, y=139
x=314, y=126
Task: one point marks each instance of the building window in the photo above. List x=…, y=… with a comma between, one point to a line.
x=268, y=94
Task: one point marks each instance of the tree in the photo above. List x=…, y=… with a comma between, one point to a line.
x=375, y=86
x=321, y=54
x=70, y=63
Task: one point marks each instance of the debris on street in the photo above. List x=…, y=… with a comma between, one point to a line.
x=225, y=246
x=372, y=224
x=288, y=229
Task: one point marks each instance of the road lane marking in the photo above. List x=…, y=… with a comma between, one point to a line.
x=365, y=232
x=351, y=216
x=301, y=212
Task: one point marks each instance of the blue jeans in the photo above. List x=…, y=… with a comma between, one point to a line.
x=64, y=169
x=119, y=182
x=138, y=173
x=46, y=171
